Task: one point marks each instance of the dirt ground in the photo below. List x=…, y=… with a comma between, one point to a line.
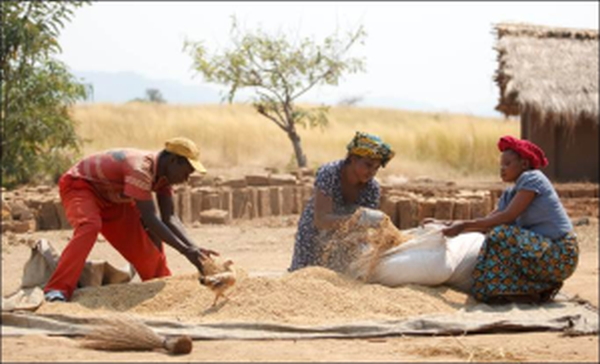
x=264, y=247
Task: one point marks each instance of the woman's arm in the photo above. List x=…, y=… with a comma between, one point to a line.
x=515, y=208
x=431, y=220
x=324, y=217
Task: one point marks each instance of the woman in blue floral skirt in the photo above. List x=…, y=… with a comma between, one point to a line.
x=530, y=247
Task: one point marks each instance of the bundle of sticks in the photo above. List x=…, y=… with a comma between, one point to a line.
x=127, y=334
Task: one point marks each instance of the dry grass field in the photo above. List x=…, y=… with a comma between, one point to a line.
x=437, y=145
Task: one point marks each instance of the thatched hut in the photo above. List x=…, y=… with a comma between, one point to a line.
x=549, y=77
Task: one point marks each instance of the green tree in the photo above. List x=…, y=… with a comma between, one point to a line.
x=153, y=95
x=38, y=135
x=279, y=72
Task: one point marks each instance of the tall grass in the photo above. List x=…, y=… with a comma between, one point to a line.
x=438, y=145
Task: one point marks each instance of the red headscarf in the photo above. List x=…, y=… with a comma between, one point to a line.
x=525, y=149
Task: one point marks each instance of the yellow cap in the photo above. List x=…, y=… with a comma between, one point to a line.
x=186, y=148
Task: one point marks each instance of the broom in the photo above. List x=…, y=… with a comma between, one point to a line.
x=122, y=334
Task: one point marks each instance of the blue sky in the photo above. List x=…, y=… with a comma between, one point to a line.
x=430, y=56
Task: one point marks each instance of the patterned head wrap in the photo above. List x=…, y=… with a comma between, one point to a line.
x=525, y=149
x=367, y=145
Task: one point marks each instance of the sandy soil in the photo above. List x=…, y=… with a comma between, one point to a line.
x=264, y=247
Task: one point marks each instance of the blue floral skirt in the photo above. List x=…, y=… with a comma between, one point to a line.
x=517, y=262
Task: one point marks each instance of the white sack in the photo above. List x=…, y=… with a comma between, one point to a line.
x=429, y=259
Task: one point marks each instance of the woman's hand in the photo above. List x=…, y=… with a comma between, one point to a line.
x=454, y=229
x=370, y=217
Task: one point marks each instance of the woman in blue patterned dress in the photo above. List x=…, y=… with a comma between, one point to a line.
x=531, y=247
x=340, y=188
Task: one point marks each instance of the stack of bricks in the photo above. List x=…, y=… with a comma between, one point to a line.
x=407, y=210
x=31, y=209
x=213, y=200
x=255, y=196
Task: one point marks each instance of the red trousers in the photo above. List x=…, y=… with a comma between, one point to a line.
x=119, y=223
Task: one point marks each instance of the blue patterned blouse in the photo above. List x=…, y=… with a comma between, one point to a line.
x=328, y=181
x=545, y=215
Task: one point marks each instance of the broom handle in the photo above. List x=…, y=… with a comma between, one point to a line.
x=169, y=344
x=178, y=345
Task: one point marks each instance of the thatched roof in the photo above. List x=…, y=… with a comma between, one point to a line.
x=551, y=71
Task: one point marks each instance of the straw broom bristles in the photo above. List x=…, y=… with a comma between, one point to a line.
x=125, y=334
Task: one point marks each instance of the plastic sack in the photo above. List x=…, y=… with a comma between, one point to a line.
x=430, y=259
x=463, y=250
x=422, y=260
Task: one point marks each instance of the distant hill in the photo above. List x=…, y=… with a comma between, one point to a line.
x=120, y=87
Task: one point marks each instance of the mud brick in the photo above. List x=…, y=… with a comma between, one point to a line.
x=241, y=203
x=226, y=200
x=407, y=213
x=253, y=203
x=307, y=181
x=385, y=190
x=210, y=201
x=287, y=200
x=6, y=215
x=582, y=192
x=196, y=196
x=478, y=208
x=19, y=227
x=19, y=210
x=462, y=210
x=444, y=209
x=215, y=216
x=259, y=180
x=62, y=216
x=390, y=208
x=43, y=189
x=563, y=192
x=276, y=200
x=209, y=189
x=36, y=203
x=304, y=171
x=263, y=200
x=235, y=182
x=307, y=192
x=195, y=180
x=282, y=179
x=176, y=204
x=426, y=208
x=488, y=205
x=47, y=217
x=7, y=226
x=297, y=207
x=185, y=205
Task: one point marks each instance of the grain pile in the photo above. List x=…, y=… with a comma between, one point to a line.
x=311, y=296
x=355, y=249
